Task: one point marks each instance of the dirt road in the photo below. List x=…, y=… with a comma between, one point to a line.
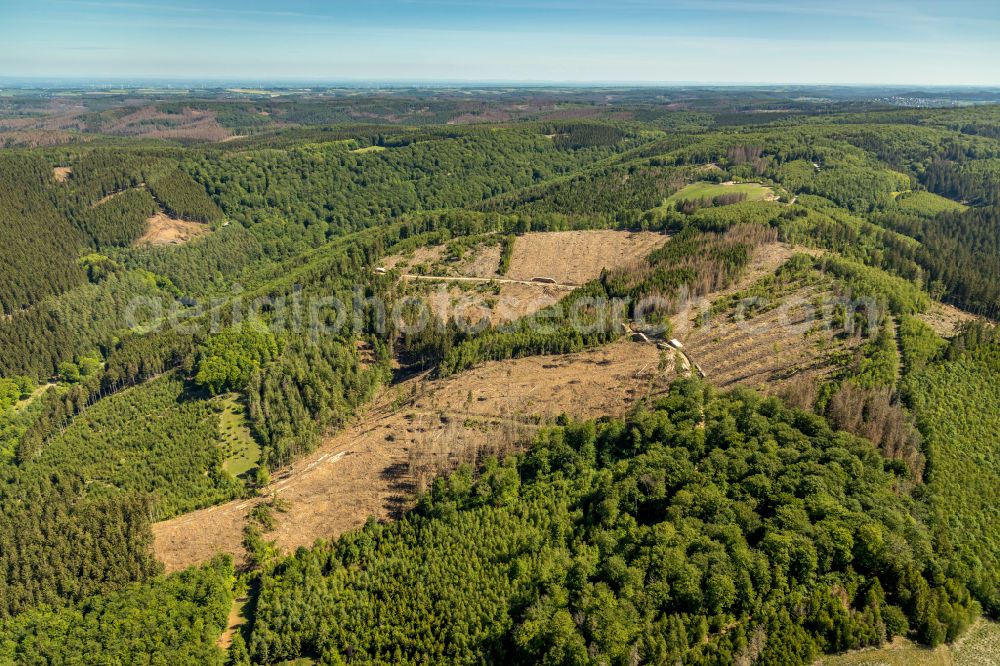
x=534, y=283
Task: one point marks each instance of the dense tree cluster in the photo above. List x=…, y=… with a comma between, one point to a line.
x=39, y=248
x=176, y=620
x=619, y=194
x=328, y=189
x=976, y=181
x=149, y=439
x=959, y=253
x=956, y=400
x=55, y=546
x=230, y=357
x=708, y=530
x=37, y=340
x=182, y=197
x=120, y=220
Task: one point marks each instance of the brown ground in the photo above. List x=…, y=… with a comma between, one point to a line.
x=412, y=432
x=237, y=618
x=770, y=349
x=766, y=260
x=945, y=319
x=483, y=263
x=148, y=121
x=472, y=301
x=62, y=174
x=421, y=255
x=162, y=229
x=576, y=257
x=786, y=349
x=571, y=258
x=58, y=119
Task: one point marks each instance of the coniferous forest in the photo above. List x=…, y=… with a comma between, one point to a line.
x=197, y=298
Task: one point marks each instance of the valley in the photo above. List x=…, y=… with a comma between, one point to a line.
x=500, y=375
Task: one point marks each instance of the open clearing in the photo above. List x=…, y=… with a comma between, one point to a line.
x=239, y=449
x=576, y=257
x=471, y=300
x=945, y=319
x=238, y=616
x=979, y=646
x=412, y=432
x=471, y=288
x=62, y=174
x=787, y=340
x=161, y=229
x=704, y=190
x=768, y=350
x=568, y=257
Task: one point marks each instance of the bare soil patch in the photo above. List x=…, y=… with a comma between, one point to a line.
x=148, y=121
x=62, y=174
x=770, y=350
x=237, y=618
x=421, y=256
x=483, y=262
x=765, y=261
x=161, y=229
x=945, y=319
x=414, y=431
x=785, y=350
x=499, y=302
x=576, y=257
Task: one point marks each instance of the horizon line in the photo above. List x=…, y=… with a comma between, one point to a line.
x=106, y=80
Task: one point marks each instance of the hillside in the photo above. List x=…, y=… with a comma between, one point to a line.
x=560, y=377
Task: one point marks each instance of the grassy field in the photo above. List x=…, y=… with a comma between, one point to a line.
x=369, y=149
x=238, y=445
x=21, y=405
x=754, y=191
x=980, y=646
x=899, y=653
x=926, y=203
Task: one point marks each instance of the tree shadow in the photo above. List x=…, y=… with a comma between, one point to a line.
x=397, y=474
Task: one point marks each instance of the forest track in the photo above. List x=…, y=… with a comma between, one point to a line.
x=481, y=280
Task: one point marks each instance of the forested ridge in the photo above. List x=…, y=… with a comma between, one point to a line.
x=705, y=527
x=708, y=529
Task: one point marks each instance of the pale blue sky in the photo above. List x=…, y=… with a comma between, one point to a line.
x=834, y=41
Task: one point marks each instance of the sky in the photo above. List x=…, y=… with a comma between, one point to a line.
x=919, y=42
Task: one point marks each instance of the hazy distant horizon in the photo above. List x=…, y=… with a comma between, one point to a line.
x=570, y=42
x=56, y=82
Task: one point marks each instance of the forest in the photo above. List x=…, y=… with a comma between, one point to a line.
x=775, y=522
x=686, y=534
